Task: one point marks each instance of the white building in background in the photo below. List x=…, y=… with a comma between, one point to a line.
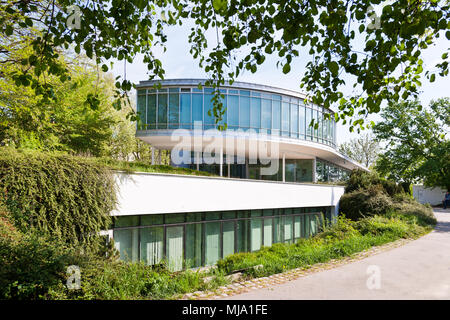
x=433, y=196
x=268, y=162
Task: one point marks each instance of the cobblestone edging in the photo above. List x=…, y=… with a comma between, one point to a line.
x=259, y=283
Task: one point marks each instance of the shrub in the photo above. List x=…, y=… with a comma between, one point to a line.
x=69, y=198
x=365, y=202
x=360, y=179
x=30, y=266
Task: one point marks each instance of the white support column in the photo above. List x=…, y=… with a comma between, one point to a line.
x=314, y=176
x=153, y=155
x=159, y=157
x=221, y=162
x=284, y=167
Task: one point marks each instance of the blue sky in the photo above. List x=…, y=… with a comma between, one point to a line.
x=178, y=63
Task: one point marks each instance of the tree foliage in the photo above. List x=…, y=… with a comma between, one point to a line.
x=363, y=149
x=345, y=40
x=417, y=142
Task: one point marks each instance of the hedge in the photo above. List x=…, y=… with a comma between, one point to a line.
x=69, y=198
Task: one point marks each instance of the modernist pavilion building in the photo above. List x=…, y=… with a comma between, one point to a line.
x=274, y=181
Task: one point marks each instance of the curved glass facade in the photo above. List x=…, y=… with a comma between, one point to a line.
x=277, y=114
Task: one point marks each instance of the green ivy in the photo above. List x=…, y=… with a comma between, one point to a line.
x=69, y=198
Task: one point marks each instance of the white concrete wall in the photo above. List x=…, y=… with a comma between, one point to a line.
x=150, y=193
x=433, y=196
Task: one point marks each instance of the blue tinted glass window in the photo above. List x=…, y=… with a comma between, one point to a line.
x=174, y=112
x=266, y=112
x=276, y=112
x=308, y=121
x=255, y=113
x=208, y=90
x=162, y=111
x=197, y=107
x=174, y=89
x=294, y=120
x=233, y=92
x=285, y=118
x=244, y=92
x=276, y=97
x=185, y=110
x=151, y=111
x=208, y=109
x=233, y=111
x=141, y=111
x=301, y=118
x=244, y=112
x=224, y=108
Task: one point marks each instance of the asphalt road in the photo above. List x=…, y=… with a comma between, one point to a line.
x=418, y=270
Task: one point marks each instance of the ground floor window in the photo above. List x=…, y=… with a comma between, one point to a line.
x=190, y=240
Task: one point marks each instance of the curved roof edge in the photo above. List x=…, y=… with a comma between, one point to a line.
x=236, y=84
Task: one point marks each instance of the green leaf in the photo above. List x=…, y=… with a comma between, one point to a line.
x=334, y=67
x=286, y=68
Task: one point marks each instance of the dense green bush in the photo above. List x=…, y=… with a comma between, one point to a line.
x=365, y=202
x=360, y=179
x=30, y=266
x=69, y=198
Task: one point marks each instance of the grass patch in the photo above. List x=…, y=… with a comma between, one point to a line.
x=343, y=239
x=136, y=166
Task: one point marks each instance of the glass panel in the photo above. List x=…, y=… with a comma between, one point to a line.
x=197, y=107
x=162, y=111
x=126, y=221
x=288, y=229
x=212, y=243
x=212, y=215
x=256, y=213
x=266, y=112
x=304, y=170
x=233, y=111
x=278, y=230
x=242, y=235
x=290, y=168
x=244, y=92
x=151, y=111
x=174, y=247
x=228, y=238
x=313, y=220
x=174, y=112
x=229, y=215
x=185, y=110
x=301, y=117
x=194, y=245
x=308, y=121
x=174, y=218
x=307, y=226
x=256, y=229
x=297, y=227
x=244, y=112
x=193, y=216
x=285, y=119
x=151, y=245
x=268, y=232
x=126, y=242
x=294, y=120
x=151, y=219
x=276, y=110
x=141, y=111
x=209, y=120
x=255, y=113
